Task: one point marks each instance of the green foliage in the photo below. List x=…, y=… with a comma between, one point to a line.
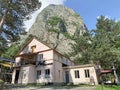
x=107, y=87
x=14, y=49
x=57, y=25
x=105, y=41
x=1, y=81
x=103, y=45
x=76, y=15
x=26, y=41
x=67, y=35
x=54, y=30
x=54, y=20
x=3, y=45
x=12, y=13
x=80, y=47
x=11, y=52
x=15, y=11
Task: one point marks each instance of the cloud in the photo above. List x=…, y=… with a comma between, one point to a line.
x=45, y=3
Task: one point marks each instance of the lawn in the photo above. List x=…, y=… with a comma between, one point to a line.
x=107, y=87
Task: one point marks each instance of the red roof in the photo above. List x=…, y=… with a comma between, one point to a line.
x=105, y=71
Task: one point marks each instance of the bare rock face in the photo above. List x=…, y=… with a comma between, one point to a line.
x=53, y=23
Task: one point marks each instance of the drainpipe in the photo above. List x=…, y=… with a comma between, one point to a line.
x=54, y=71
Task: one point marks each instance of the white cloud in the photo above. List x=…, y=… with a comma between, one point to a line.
x=45, y=3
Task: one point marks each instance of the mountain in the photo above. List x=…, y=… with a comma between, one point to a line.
x=55, y=24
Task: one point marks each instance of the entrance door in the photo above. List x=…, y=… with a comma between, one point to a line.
x=67, y=76
x=17, y=76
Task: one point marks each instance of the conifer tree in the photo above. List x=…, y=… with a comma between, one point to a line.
x=12, y=15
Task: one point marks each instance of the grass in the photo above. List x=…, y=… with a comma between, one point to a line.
x=107, y=87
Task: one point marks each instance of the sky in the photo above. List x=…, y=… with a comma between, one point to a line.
x=89, y=10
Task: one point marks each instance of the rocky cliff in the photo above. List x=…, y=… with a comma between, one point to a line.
x=54, y=25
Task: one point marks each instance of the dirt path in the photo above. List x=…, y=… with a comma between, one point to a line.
x=52, y=88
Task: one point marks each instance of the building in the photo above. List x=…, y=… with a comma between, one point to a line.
x=38, y=63
x=81, y=74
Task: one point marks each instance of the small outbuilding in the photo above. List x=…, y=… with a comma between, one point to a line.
x=81, y=74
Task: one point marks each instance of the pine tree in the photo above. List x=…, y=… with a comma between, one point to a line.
x=12, y=15
x=103, y=42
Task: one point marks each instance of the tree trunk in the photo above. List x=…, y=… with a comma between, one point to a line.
x=3, y=18
x=2, y=21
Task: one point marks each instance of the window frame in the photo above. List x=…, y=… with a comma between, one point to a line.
x=87, y=73
x=38, y=76
x=33, y=48
x=76, y=73
x=40, y=57
x=47, y=73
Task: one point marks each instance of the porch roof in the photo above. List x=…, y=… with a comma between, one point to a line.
x=79, y=66
x=27, y=54
x=105, y=71
x=32, y=54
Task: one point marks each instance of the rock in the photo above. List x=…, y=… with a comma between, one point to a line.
x=69, y=22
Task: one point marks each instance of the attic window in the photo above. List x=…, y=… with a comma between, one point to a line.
x=33, y=48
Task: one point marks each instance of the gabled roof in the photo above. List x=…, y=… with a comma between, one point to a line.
x=17, y=55
x=29, y=43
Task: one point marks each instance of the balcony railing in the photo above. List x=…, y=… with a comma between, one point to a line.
x=47, y=76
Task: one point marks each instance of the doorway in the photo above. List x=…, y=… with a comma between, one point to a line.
x=17, y=76
x=67, y=76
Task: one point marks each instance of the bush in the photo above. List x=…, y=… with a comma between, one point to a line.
x=1, y=84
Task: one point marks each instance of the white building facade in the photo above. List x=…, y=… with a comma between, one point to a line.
x=38, y=63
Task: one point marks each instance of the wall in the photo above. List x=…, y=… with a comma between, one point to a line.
x=47, y=55
x=58, y=72
x=27, y=74
x=82, y=78
x=58, y=68
x=39, y=47
x=42, y=78
x=13, y=76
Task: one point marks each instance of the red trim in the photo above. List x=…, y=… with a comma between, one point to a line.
x=32, y=53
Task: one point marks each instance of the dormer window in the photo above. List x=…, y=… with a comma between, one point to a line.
x=33, y=48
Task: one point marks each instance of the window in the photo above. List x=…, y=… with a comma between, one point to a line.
x=47, y=73
x=40, y=57
x=87, y=73
x=77, y=74
x=38, y=74
x=39, y=60
x=33, y=48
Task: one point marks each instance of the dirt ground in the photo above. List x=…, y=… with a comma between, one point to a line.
x=51, y=88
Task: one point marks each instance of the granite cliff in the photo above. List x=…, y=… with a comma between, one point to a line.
x=55, y=24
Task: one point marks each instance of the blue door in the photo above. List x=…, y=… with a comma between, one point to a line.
x=67, y=76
